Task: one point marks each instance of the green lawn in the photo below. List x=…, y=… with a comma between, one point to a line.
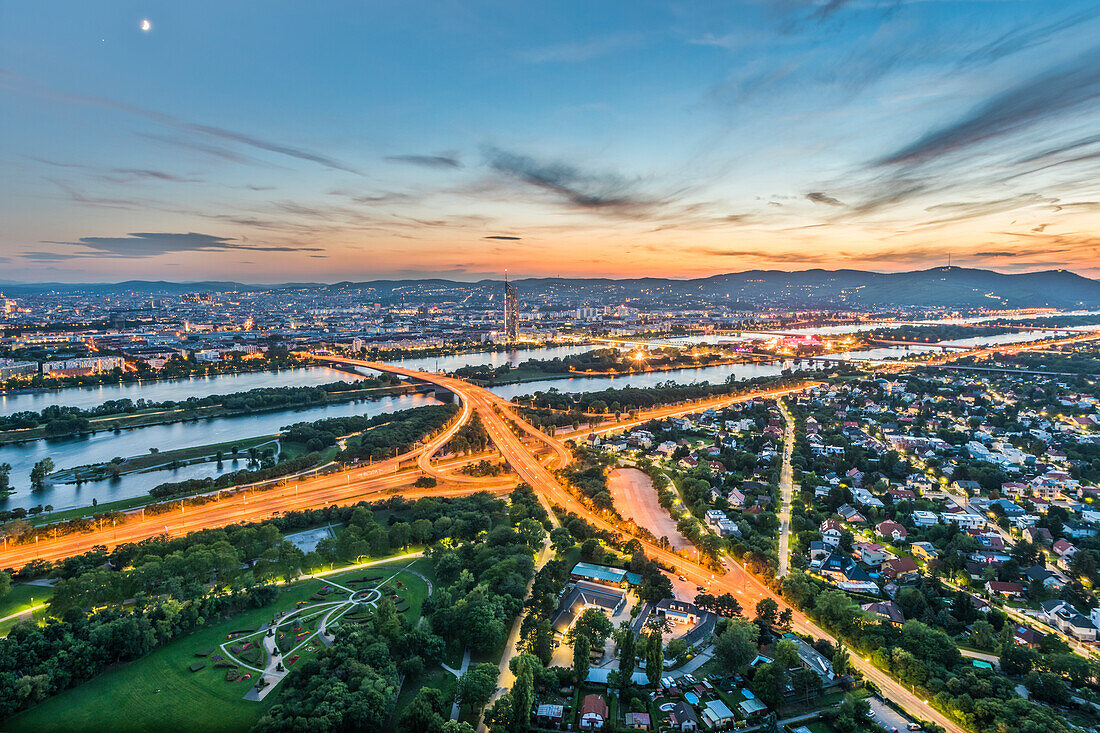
x=437, y=677
x=19, y=598
x=158, y=694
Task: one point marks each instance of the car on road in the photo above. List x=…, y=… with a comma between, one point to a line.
x=683, y=579
x=913, y=726
x=699, y=588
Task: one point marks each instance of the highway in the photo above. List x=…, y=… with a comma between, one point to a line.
x=498, y=417
x=737, y=580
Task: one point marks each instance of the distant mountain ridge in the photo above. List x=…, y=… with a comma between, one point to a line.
x=937, y=287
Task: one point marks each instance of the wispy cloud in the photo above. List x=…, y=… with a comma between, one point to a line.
x=139, y=245
x=1054, y=93
x=212, y=131
x=441, y=160
x=568, y=183
x=823, y=198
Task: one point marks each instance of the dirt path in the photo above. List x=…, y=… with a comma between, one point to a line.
x=635, y=498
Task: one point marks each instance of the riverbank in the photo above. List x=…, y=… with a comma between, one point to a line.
x=178, y=369
x=232, y=450
x=155, y=416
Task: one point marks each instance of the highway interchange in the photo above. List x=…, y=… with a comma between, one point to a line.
x=505, y=428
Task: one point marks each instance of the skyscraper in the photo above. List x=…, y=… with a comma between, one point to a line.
x=511, y=308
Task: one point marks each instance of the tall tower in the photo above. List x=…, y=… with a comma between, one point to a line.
x=511, y=308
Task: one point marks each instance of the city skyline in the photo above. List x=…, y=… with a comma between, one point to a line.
x=201, y=142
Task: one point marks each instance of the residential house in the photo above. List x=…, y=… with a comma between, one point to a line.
x=637, y=721
x=870, y=554
x=680, y=612
x=924, y=550
x=1078, y=530
x=1008, y=590
x=1039, y=574
x=831, y=530
x=901, y=570
x=851, y=515
x=683, y=718
x=1068, y=620
x=887, y=610
x=594, y=713
x=892, y=530
x=925, y=519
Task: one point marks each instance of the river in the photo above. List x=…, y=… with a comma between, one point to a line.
x=103, y=446
x=68, y=453
x=171, y=389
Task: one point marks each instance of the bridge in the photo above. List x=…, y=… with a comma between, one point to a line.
x=925, y=344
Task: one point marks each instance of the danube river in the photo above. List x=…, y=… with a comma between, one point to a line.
x=71, y=452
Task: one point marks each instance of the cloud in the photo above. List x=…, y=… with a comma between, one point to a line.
x=578, y=188
x=214, y=151
x=427, y=161
x=213, y=131
x=137, y=245
x=1023, y=37
x=117, y=175
x=502, y=236
x=1052, y=94
x=823, y=198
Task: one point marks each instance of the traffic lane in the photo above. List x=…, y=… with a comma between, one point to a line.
x=211, y=516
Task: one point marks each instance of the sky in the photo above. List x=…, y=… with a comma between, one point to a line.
x=329, y=141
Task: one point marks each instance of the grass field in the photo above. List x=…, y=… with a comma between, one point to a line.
x=20, y=598
x=157, y=694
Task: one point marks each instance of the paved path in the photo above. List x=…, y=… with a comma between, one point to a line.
x=455, y=707
x=505, y=678
x=786, y=488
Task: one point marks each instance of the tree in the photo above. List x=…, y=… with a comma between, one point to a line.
x=39, y=472
x=785, y=618
x=737, y=646
x=769, y=683
x=581, y=649
x=841, y=661
x=531, y=532
x=678, y=649
x=767, y=611
x=523, y=690
x=476, y=686
x=5, y=478
x=593, y=624
x=851, y=715
x=424, y=713
x=983, y=634
x=457, y=726
x=400, y=535
x=654, y=657
x=5, y=584
x=627, y=655
x=561, y=539
x=501, y=717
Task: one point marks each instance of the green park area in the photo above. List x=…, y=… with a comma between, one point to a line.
x=199, y=682
x=19, y=599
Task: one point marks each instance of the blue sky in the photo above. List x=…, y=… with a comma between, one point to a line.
x=330, y=141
